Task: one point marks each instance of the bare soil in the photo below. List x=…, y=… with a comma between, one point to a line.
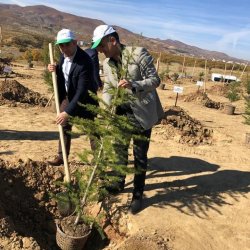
x=202, y=98
x=197, y=188
x=14, y=93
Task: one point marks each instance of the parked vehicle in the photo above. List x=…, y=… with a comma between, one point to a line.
x=215, y=77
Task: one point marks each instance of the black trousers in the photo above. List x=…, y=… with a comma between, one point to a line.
x=140, y=151
x=67, y=140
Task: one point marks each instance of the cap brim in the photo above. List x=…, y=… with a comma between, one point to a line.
x=64, y=41
x=96, y=43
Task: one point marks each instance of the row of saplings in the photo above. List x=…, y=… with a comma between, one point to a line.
x=87, y=188
x=233, y=91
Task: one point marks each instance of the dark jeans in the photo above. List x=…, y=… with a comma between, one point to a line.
x=140, y=150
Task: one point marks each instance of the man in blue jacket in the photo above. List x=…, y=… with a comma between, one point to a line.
x=74, y=80
x=96, y=67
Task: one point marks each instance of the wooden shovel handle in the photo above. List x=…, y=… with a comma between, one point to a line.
x=65, y=158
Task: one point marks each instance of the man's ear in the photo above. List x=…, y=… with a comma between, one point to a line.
x=112, y=40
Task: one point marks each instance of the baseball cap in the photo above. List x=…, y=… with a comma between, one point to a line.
x=100, y=32
x=64, y=36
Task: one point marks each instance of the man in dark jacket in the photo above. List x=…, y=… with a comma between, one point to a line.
x=96, y=67
x=74, y=80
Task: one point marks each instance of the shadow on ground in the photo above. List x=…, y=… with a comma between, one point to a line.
x=196, y=186
x=30, y=135
x=8, y=152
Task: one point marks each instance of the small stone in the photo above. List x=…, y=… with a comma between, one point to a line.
x=26, y=242
x=39, y=196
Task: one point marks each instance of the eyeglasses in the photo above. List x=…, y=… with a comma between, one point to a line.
x=64, y=44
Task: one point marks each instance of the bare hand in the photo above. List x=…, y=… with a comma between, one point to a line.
x=62, y=118
x=51, y=67
x=125, y=84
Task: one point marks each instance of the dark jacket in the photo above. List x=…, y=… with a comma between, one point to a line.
x=96, y=68
x=80, y=82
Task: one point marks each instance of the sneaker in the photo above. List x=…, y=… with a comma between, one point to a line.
x=56, y=162
x=136, y=203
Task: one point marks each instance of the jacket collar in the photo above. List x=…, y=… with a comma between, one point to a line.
x=74, y=58
x=126, y=59
x=118, y=65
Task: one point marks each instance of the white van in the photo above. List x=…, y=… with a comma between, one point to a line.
x=215, y=77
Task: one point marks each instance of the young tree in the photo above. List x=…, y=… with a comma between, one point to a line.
x=36, y=55
x=175, y=77
x=201, y=76
x=247, y=111
x=107, y=130
x=247, y=85
x=233, y=92
x=247, y=101
x=28, y=56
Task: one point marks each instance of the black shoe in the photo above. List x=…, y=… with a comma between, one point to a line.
x=136, y=203
x=56, y=162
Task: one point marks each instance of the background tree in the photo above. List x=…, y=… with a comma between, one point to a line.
x=233, y=93
x=201, y=76
x=247, y=111
x=247, y=100
x=175, y=77
x=247, y=84
x=28, y=56
x=36, y=55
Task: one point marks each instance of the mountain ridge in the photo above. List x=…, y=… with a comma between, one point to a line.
x=47, y=21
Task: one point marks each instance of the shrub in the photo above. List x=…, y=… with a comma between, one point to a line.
x=233, y=92
x=247, y=111
x=247, y=85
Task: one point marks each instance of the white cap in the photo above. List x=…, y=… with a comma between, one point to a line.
x=100, y=32
x=64, y=36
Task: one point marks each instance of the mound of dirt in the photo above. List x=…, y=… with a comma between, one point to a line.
x=220, y=90
x=202, y=98
x=28, y=213
x=27, y=210
x=12, y=93
x=191, y=130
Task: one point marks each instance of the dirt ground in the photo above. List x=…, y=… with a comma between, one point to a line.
x=197, y=191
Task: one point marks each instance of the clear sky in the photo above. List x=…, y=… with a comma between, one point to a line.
x=220, y=25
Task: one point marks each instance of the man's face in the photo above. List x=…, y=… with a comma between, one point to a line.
x=68, y=49
x=107, y=46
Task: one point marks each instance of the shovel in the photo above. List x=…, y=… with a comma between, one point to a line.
x=63, y=201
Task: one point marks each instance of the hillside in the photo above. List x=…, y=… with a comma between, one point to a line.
x=44, y=21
